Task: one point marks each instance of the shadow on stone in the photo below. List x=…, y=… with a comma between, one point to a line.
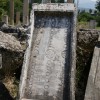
x=4, y=93
x=98, y=44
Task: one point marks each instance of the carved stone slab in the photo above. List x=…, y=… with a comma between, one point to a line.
x=48, y=70
x=69, y=7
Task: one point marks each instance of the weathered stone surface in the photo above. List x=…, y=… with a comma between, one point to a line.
x=5, y=19
x=92, y=24
x=4, y=93
x=93, y=84
x=11, y=60
x=11, y=54
x=54, y=7
x=48, y=70
x=9, y=42
x=86, y=41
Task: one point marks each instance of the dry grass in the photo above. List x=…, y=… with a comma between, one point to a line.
x=84, y=25
x=12, y=86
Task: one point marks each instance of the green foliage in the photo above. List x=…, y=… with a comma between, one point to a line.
x=98, y=13
x=98, y=5
x=4, y=6
x=85, y=16
x=18, y=5
x=98, y=18
x=95, y=12
x=90, y=11
x=37, y=1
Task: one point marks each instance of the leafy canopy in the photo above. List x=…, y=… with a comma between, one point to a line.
x=85, y=16
x=98, y=5
x=5, y=6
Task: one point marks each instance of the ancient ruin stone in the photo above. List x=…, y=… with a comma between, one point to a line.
x=12, y=54
x=9, y=42
x=86, y=41
x=49, y=63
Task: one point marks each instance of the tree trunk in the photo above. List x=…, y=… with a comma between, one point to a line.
x=12, y=12
x=25, y=12
x=17, y=17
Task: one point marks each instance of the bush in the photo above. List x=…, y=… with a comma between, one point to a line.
x=98, y=18
x=85, y=16
x=4, y=8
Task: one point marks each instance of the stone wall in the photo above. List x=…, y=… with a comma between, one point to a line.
x=50, y=56
x=11, y=61
x=86, y=41
x=93, y=83
x=11, y=52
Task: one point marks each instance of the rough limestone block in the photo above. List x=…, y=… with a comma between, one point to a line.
x=49, y=63
x=5, y=19
x=93, y=84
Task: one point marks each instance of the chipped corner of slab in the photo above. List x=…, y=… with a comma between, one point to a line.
x=68, y=7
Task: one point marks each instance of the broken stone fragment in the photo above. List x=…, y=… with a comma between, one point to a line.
x=12, y=54
x=9, y=42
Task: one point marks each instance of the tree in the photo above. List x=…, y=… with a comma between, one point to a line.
x=4, y=7
x=98, y=18
x=79, y=11
x=85, y=16
x=90, y=11
x=18, y=5
x=98, y=5
x=36, y=1
x=83, y=11
x=25, y=11
x=95, y=12
x=12, y=12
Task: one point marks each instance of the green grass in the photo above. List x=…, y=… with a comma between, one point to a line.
x=98, y=28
